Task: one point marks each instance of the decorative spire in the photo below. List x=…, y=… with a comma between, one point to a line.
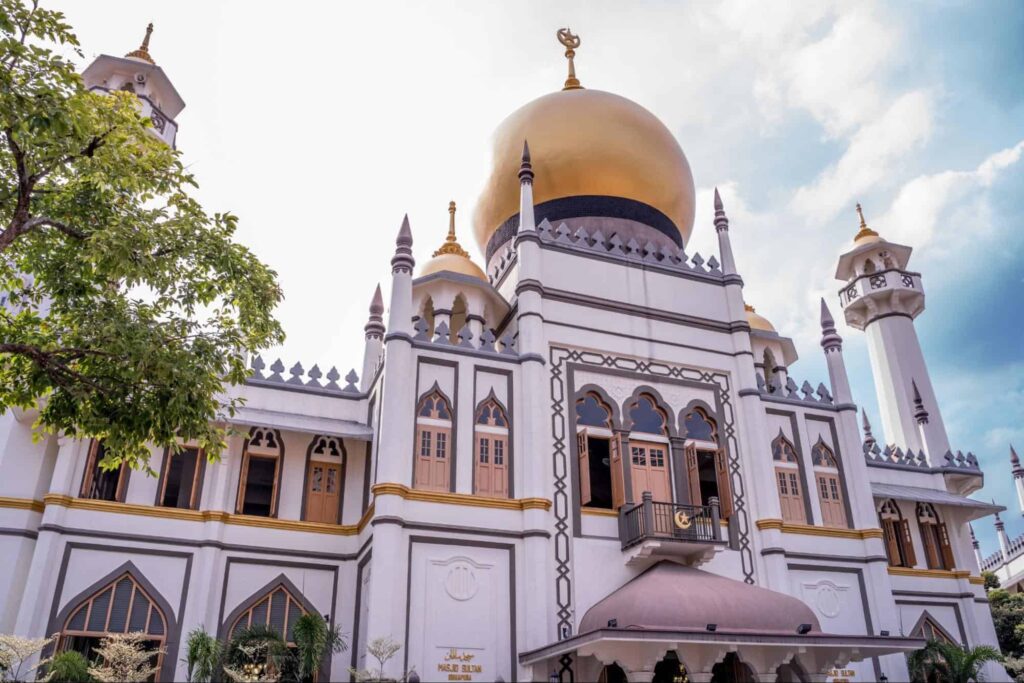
x=143, y=51
x=571, y=42
x=865, y=231
x=375, y=323
x=830, y=339
x=974, y=540
x=451, y=244
x=525, y=167
x=869, y=438
x=999, y=524
x=920, y=414
x=1018, y=471
x=721, y=222
x=402, y=261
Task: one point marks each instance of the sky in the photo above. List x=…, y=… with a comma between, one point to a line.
x=321, y=124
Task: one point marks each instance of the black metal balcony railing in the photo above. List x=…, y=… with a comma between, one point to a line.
x=653, y=520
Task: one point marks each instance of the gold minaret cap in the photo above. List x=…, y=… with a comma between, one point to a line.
x=571, y=42
x=451, y=244
x=143, y=51
x=865, y=231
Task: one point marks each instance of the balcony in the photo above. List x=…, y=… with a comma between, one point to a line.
x=690, y=534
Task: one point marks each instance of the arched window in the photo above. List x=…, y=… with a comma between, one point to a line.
x=490, y=474
x=323, y=480
x=787, y=480
x=102, y=484
x=261, y=473
x=768, y=359
x=929, y=629
x=934, y=537
x=648, y=459
x=458, y=318
x=598, y=450
x=278, y=609
x=869, y=267
x=433, y=442
x=122, y=606
x=830, y=490
x=707, y=468
x=899, y=545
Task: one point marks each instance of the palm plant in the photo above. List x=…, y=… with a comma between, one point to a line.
x=67, y=667
x=942, y=662
x=314, y=638
x=203, y=655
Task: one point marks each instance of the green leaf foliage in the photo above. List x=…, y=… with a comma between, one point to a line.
x=949, y=663
x=128, y=307
x=203, y=656
x=68, y=667
x=314, y=639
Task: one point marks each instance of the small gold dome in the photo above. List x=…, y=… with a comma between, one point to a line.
x=451, y=257
x=586, y=143
x=865, y=235
x=757, y=321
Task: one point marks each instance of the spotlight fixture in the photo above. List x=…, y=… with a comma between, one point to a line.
x=711, y=628
x=803, y=629
x=884, y=633
x=613, y=623
x=883, y=679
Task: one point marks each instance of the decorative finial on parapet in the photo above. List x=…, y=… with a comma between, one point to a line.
x=974, y=540
x=143, y=51
x=451, y=243
x=403, y=261
x=999, y=524
x=865, y=231
x=525, y=167
x=920, y=414
x=375, y=324
x=869, y=438
x=721, y=221
x=1018, y=471
x=830, y=339
x=571, y=42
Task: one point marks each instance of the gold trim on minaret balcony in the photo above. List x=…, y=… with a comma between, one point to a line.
x=571, y=42
x=143, y=51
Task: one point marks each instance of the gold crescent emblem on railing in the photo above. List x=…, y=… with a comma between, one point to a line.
x=683, y=520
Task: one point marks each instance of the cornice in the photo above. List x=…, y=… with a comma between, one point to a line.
x=465, y=499
x=21, y=504
x=808, y=530
x=936, y=574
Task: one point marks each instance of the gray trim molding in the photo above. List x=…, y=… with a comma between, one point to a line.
x=956, y=611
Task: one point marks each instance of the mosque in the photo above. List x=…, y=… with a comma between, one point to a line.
x=586, y=458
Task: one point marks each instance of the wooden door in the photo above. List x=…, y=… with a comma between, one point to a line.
x=833, y=513
x=945, y=548
x=724, y=483
x=583, y=455
x=439, y=466
x=432, y=456
x=692, y=473
x=649, y=470
x=491, y=475
x=323, y=493
x=618, y=481
x=791, y=499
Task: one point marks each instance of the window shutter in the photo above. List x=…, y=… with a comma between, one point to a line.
x=945, y=548
x=909, y=556
x=724, y=485
x=692, y=474
x=930, y=551
x=584, y=463
x=892, y=542
x=618, y=483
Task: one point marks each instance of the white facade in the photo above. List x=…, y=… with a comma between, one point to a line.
x=480, y=586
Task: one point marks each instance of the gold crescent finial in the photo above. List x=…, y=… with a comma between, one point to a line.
x=451, y=244
x=865, y=231
x=571, y=42
x=143, y=51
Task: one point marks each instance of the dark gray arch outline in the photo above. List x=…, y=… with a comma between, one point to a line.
x=925, y=614
x=224, y=630
x=341, y=483
x=711, y=413
x=659, y=402
x=436, y=387
x=172, y=622
x=838, y=456
x=280, y=467
x=511, y=453
x=605, y=398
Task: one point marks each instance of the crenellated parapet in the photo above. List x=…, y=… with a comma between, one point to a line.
x=795, y=392
x=302, y=379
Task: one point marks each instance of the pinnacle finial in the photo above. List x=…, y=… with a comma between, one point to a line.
x=920, y=414
x=143, y=51
x=404, y=238
x=451, y=244
x=571, y=42
x=864, y=231
x=1013, y=456
x=826, y=317
x=869, y=438
x=718, y=201
x=830, y=339
x=377, y=304
x=525, y=166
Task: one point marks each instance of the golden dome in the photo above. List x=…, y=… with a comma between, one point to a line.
x=865, y=235
x=756, y=320
x=451, y=257
x=587, y=143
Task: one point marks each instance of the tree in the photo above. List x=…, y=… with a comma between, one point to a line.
x=15, y=651
x=128, y=307
x=69, y=666
x=203, y=655
x=314, y=639
x=991, y=580
x=382, y=649
x=257, y=653
x=124, y=658
x=944, y=662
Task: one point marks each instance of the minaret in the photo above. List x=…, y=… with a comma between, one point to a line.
x=1004, y=540
x=374, y=340
x=402, y=263
x=139, y=74
x=976, y=546
x=1018, y=476
x=882, y=298
x=832, y=344
x=869, y=438
x=724, y=244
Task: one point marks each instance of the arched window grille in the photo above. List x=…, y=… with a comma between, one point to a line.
x=490, y=472
x=787, y=480
x=433, y=442
x=830, y=489
x=278, y=610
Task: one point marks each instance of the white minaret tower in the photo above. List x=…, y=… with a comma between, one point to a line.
x=374, y=331
x=1018, y=476
x=137, y=73
x=882, y=298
